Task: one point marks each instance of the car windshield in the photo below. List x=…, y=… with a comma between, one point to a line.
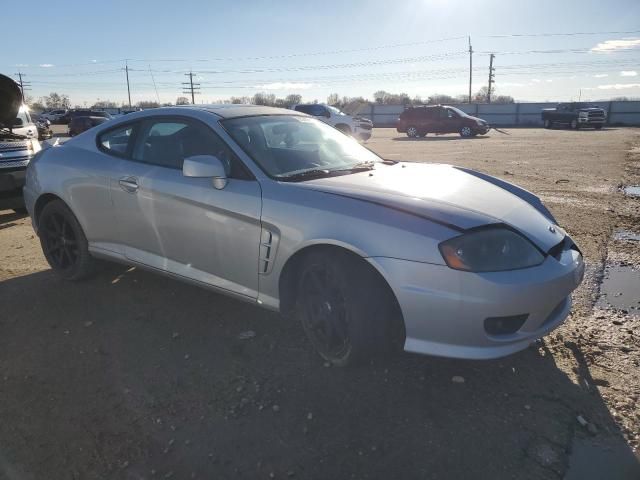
x=288, y=145
x=458, y=111
x=336, y=110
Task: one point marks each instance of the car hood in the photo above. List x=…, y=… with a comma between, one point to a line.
x=446, y=195
x=476, y=118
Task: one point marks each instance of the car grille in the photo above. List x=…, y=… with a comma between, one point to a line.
x=596, y=115
x=13, y=163
x=13, y=146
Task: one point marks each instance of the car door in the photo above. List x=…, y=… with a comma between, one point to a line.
x=183, y=225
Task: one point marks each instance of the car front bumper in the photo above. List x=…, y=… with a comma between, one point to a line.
x=444, y=310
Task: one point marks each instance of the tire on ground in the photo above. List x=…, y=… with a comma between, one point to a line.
x=84, y=264
x=373, y=318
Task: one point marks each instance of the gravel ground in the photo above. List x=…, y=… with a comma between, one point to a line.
x=131, y=375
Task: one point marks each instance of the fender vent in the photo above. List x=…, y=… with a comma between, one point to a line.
x=267, y=252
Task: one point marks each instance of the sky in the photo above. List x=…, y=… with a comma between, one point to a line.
x=313, y=48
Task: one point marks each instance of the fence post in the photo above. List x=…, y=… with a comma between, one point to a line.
x=517, y=114
x=609, y=114
x=373, y=114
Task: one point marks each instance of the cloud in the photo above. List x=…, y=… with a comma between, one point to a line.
x=513, y=84
x=285, y=86
x=628, y=73
x=22, y=65
x=613, y=45
x=549, y=80
x=600, y=75
x=46, y=65
x=535, y=80
x=619, y=86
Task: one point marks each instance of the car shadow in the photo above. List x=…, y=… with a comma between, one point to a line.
x=438, y=138
x=130, y=373
x=7, y=217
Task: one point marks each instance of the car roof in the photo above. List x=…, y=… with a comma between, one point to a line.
x=241, y=110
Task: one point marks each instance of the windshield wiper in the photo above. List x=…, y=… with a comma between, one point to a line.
x=305, y=175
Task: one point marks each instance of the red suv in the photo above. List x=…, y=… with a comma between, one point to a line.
x=418, y=121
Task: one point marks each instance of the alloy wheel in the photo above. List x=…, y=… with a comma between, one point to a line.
x=466, y=131
x=412, y=132
x=60, y=241
x=324, y=312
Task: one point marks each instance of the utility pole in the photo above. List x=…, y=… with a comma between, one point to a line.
x=23, y=85
x=190, y=87
x=470, y=67
x=126, y=70
x=491, y=75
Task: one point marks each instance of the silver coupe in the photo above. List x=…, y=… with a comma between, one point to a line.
x=279, y=209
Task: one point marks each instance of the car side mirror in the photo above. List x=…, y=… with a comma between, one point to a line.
x=206, y=166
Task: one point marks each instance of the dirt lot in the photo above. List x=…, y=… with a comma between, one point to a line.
x=131, y=375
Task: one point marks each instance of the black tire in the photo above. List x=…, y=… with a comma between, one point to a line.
x=548, y=123
x=346, y=129
x=466, y=132
x=412, y=131
x=21, y=210
x=422, y=134
x=347, y=310
x=598, y=127
x=575, y=125
x=63, y=242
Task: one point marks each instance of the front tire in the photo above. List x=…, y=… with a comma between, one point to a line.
x=347, y=310
x=63, y=242
x=412, y=132
x=466, y=132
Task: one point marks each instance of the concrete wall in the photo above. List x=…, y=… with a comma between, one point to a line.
x=509, y=115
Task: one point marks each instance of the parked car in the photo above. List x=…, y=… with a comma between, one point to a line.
x=574, y=115
x=83, y=113
x=18, y=144
x=439, y=119
x=44, y=129
x=281, y=210
x=77, y=125
x=54, y=116
x=358, y=127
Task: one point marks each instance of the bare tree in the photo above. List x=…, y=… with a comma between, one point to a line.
x=333, y=99
x=293, y=99
x=105, y=104
x=182, y=101
x=147, y=104
x=55, y=100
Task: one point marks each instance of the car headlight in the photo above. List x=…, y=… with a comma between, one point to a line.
x=490, y=250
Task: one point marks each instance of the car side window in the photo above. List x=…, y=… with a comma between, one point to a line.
x=168, y=142
x=116, y=141
x=318, y=110
x=303, y=108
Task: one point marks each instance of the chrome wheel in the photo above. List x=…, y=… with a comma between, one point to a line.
x=465, y=132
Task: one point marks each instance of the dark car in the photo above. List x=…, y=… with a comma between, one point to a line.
x=65, y=119
x=574, y=115
x=77, y=125
x=439, y=119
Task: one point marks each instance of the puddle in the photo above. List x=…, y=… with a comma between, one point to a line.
x=597, y=459
x=632, y=190
x=627, y=235
x=620, y=289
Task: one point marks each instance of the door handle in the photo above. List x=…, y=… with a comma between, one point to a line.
x=128, y=184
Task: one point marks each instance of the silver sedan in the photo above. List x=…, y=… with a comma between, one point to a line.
x=279, y=209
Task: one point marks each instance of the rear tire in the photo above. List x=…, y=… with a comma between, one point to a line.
x=598, y=127
x=63, y=242
x=346, y=309
x=412, y=131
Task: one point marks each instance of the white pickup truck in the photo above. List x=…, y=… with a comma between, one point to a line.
x=357, y=127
